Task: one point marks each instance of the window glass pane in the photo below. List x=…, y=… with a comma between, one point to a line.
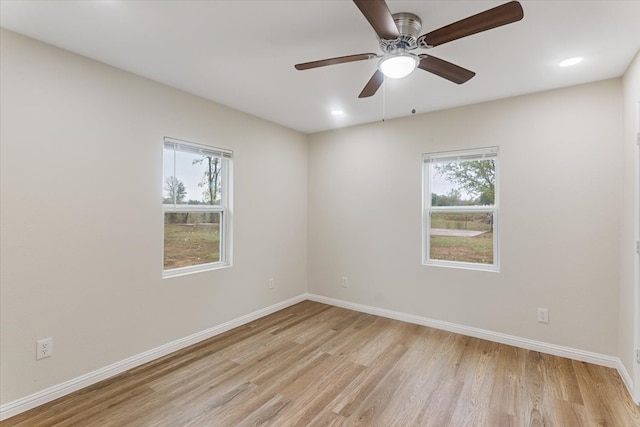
x=462, y=237
x=466, y=183
x=169, y=182
x=191, y=238
x=201, y=175
x=191, y=178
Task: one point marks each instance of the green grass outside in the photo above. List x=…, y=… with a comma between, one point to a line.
x=461, y=221
x=191, y=244
x=477, y=249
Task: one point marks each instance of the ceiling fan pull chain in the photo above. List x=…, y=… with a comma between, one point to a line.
x=384, y=97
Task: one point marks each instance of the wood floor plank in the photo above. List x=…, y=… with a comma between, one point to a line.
x=236, y=411
x=316, y=365
x=310, y=402
x=567, y=413
x=603, y=408
x=568, y=389
x=535, y=411
x=479, y=369
x=507, y=386
x=327, y=418
x=441, y=404
x=346, y=332
x=183, y=379
x=287, y=364
x=351, y=397
x=370, y=411
x=207, y=410
x=412, y=396
x=266, y=413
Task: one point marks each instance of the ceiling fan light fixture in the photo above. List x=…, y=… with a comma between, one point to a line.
x=397, y=66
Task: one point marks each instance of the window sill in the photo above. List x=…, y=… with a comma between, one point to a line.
x=463, y=266
x=184, y=271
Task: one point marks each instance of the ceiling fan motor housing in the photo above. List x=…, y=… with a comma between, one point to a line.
x=409, y=26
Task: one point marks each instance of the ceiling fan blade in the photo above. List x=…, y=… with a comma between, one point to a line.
x=492, y=18
x=378, y=15
x=372, y=86
x=444, y=69
x=333, y=61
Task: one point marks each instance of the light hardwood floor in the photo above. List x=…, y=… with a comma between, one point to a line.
x=313, y=364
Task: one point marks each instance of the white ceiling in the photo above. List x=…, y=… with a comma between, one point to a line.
x=242, y=53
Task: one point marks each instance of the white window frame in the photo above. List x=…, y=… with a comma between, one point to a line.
x=430, y=159
x=224, y=208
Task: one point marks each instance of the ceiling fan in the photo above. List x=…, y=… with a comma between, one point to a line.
x=399, y=34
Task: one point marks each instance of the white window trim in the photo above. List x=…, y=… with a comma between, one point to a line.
x=225, y=208
x=427, y=209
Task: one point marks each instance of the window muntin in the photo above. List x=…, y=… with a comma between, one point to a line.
x=460, y=212
x=196, y=204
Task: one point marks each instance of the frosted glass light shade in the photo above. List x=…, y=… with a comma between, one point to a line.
x=398, y=66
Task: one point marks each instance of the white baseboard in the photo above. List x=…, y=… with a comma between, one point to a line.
x=47, y=395
x=543, y=347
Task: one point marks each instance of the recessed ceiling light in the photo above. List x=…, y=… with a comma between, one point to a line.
x=337, y=112
x=571, y=61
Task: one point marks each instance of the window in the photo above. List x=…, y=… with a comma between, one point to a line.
x=460, y=209
x=196, y=200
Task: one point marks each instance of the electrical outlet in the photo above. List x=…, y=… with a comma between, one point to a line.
x=345, y=282
x=543, y=315
x=271, y=284
x=44, y=348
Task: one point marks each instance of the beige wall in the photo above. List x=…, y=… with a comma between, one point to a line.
x=81, y=223
x=560, y=162
x=629, y=219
